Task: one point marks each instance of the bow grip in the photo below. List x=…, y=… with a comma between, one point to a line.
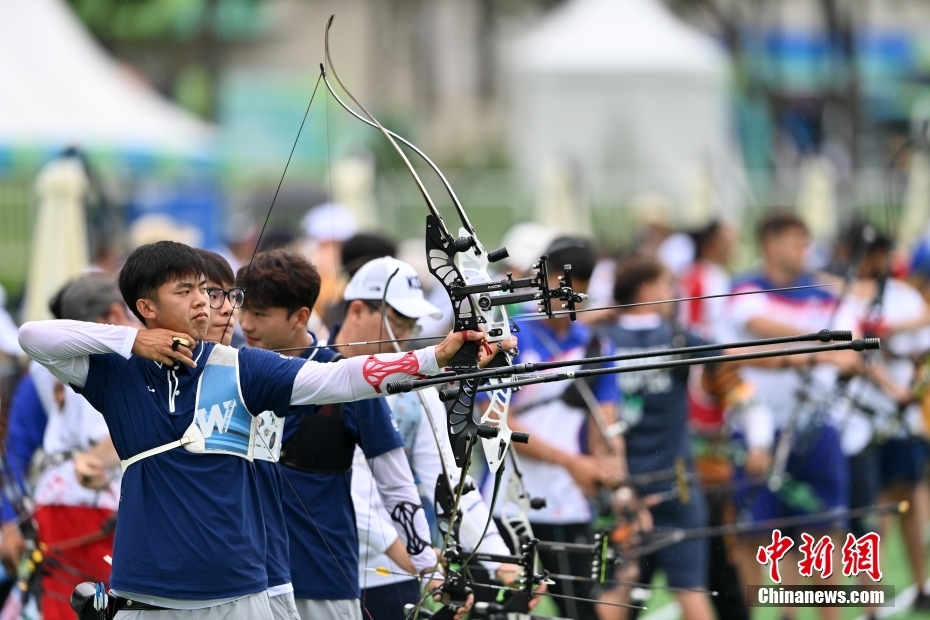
x=466, y=357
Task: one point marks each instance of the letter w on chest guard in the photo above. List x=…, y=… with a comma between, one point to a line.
x=225, y=423
x=217, y=419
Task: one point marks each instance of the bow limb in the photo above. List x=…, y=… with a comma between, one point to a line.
x=517, y=504
x=456, y=262
x=374, y=121
x=429, y=162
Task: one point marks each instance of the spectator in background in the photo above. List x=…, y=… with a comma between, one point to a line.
x=356, y=251
x=240, y=236
x=362, y=248
x=557, y=463
x=78, y=487
x=326, y=228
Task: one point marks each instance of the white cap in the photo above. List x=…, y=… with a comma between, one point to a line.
x=329, y=222
x=405, y=293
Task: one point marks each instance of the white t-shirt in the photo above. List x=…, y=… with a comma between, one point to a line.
x=74, y=427
x=375, y=528
x=561, y=426
x=870, y=408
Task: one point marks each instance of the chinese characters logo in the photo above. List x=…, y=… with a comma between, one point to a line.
x=859, y=555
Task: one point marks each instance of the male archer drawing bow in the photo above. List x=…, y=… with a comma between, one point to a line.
x=181, y=419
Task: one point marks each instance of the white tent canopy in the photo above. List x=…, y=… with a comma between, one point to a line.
x=59, y=87
x=628, y=97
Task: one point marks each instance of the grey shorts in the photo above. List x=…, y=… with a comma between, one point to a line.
x=343, y=609
x=283, y=607
x=252, y=607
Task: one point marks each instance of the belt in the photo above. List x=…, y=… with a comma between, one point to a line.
x=124, y=604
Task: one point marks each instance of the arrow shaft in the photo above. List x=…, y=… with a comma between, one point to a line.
x=593, y=372
x=821, y=336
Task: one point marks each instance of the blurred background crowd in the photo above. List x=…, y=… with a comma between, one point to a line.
x=666, y=127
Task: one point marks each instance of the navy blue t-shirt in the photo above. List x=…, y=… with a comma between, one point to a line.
x=324, y=544
x=655, y=402
x=190, y=525
x=271, y=489
x=25, y=431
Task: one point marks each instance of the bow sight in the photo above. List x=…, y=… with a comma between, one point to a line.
x=506, y=289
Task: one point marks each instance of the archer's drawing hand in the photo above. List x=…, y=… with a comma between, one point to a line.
x=158, y=345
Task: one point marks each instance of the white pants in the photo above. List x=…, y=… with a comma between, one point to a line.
x=343, y=609
x=283, y=607
x=252, y=607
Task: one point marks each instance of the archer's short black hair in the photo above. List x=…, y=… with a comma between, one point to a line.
x=216, y=268
x=632, y=272
x=279, y=279
x=154, y=264
x=575, y=251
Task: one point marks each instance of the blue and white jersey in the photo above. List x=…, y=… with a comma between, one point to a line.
x=807, y=310
x=146, y=405
x=324, y=544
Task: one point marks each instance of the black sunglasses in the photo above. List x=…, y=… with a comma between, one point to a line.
x=217, y=296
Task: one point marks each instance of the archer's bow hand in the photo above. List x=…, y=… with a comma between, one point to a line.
x=488, y=351
x=447, y=349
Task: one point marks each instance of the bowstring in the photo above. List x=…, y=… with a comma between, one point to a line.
x=354, y=586
x=336, y=260
x=277, y=190
x=385, y=325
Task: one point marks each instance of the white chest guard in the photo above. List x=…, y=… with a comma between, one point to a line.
x=222, y=424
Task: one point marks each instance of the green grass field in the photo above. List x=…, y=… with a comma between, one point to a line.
x=894, y=568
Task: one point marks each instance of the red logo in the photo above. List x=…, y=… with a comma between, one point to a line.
x=860, y=555
x=774, y=552
x=817, y=556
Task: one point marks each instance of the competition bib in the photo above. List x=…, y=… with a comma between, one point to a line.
x=269, y=433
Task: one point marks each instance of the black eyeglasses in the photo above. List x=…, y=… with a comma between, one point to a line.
x=217, y=296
